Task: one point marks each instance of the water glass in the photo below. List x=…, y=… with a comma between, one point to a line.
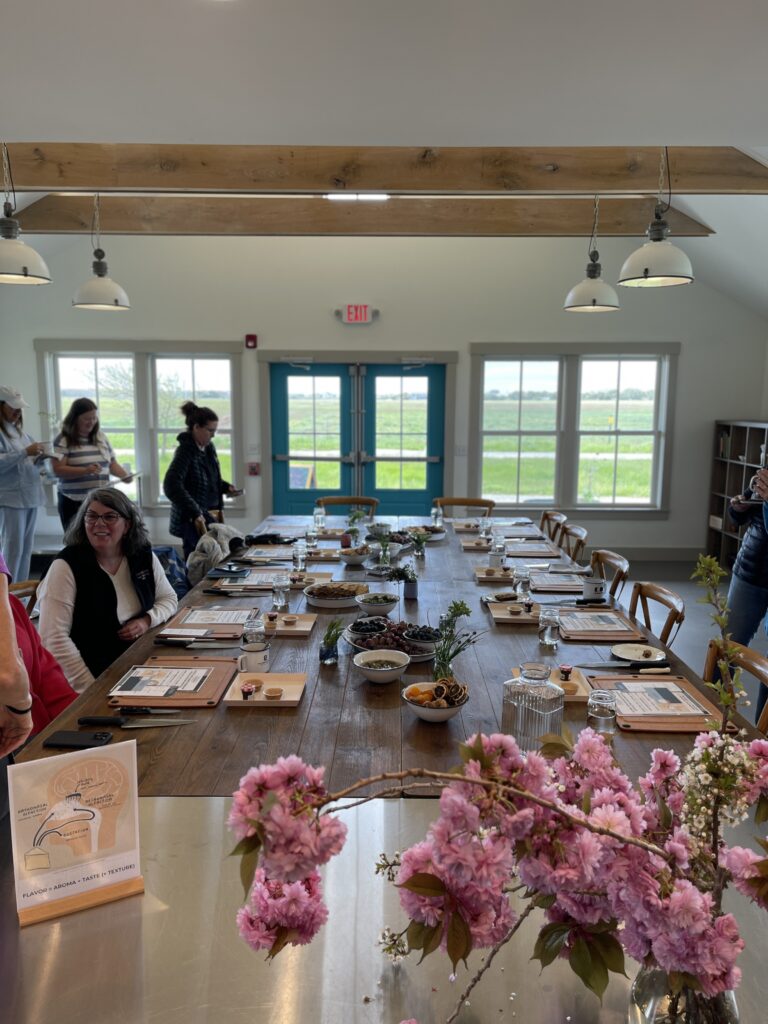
x=601, y=712
x=434, y=514
x=318, y=519
x=300, y=556
x=486, y=528
x=522, y=583
x=549, y=628
x=311, y=538
x=253, y=629
x=281, y=586
x=533, y=705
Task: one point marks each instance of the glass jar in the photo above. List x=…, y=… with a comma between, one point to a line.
x=281, y=586
x=601, y=712
x=533, y=705
x=522, y=582
x=253, y=629
x=300, y=555
x=318, y=519
x=549, y=628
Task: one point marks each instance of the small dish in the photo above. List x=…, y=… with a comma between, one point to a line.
x=273, y=692
x=290, y=620
x=515, y=609
x=637, y=652
x=374, y=605
x=429, y=714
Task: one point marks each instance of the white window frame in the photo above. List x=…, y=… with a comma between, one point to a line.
x=571, y=357
x=144, y=354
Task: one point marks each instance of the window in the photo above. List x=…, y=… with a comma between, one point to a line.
x=401, y=432
x=586, y=427
x=139, y=393
x=314, y=432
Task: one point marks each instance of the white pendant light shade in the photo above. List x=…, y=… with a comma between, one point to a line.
x=592, y=295
x=657, y=263
x=100, y=291
x=19, y=263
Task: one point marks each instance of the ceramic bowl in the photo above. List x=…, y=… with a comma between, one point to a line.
x=429, y=714
x=382, y=675
x=377, y=607
x=353, y=559
x=343, y=601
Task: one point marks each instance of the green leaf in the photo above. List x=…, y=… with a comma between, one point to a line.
x=432, y=939
x=586, y=803
x=588, y=964
x=423, y=884
x=248, y=865
x=246, y=845
x=611, y=951
x=459, y=939
x=284, y=936
x=549, y=942
x=761, y=811
x=474, y=752
x=545, y=902
x=665, y=815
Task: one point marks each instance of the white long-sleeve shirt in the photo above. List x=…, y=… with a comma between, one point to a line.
x=57, y=595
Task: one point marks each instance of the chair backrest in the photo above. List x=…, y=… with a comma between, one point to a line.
x=603, y=561
x=26, y=592
x=552, y=522
x=573, y=540
x=482, y=506
x=645, y=592
x=745, y=658
x=354, y=501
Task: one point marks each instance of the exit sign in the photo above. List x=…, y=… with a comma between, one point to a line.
x=357, y=313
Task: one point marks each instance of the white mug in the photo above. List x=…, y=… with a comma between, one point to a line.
x=592, y=589
x=255, y=657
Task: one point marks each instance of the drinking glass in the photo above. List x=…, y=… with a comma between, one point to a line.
x=318, y=518
x=311, y=538
x=300, y=556
x=253, y=629
x=601, y=712
x=522, y=583
x=549, y=628
x=281, y=585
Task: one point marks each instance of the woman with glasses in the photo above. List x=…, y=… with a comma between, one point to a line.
x=104, y=590
x=83, y=458
x=193, y=481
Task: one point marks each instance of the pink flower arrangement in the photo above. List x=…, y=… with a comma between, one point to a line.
x=278, y=913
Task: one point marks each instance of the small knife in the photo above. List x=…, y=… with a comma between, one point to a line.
x=132, y=723
x=132, y=709
x=657, y=667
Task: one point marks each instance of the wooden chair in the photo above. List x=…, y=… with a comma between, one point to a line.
x=26, y=589
x=645, y=592
x=354, y=501
x=573, y=540
x=603, y=562
x=482, y=506
x=552, y=522
x=745, y=658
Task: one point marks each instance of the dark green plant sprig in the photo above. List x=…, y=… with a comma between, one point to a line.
x=333, y=632
x=402, y=573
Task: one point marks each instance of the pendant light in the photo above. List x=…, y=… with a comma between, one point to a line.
x=19, y=264
x=100, y=291
x=592, y=295
x=658, y=263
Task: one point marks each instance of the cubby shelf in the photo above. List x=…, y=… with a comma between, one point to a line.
x=737, y=452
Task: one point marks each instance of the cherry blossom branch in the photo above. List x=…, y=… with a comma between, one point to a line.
x=490, y=784
x=488, y=961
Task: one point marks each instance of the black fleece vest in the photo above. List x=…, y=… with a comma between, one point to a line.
x=94, y=617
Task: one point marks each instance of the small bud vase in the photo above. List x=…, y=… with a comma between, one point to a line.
x=653, y=1002
x=411, y=590
x=329, y=654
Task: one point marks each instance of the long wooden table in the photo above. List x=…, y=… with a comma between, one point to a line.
x=353, y=727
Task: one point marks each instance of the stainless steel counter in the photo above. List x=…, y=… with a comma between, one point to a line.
x=173, y=956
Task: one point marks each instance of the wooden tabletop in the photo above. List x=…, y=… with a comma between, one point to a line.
x=353, y=727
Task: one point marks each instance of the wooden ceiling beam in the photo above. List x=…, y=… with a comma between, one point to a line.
x=103, y=167
x=527, y=216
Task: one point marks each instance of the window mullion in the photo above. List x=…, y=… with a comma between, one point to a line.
x=568, y=443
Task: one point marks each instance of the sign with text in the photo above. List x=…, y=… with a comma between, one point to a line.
x=75, y=831
x=357, y=313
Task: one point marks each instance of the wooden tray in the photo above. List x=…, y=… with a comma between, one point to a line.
x=323, y=555
x=267, y=553
x=579, y=695
x=659, y=723
x=261, y=579
x=213, y=630
x=500, y=614
x=626, y=632
x=485, y=575
x=222, y=671
x=532, y=549
x=480, y=544
x=292, y=684
x=301, y=628
x=332, y=532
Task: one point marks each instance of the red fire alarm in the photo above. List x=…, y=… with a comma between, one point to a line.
x=251, y=340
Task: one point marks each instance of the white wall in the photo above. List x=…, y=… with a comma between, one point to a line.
x=434, y=294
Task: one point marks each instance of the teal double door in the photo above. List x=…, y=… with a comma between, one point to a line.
x=373, y=430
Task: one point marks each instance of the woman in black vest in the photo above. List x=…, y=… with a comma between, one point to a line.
x=104, y=590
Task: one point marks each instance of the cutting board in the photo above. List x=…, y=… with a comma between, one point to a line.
x=292, y=686
x=501, y=615
x=300, y=629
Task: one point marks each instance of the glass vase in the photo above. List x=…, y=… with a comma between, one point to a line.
x=652, y=1002
x=410, y=590
x=329, y=654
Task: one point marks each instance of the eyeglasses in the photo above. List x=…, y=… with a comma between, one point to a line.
x=108, y=518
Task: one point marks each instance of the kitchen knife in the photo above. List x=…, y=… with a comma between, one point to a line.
x=660, y=667
x=132, y=723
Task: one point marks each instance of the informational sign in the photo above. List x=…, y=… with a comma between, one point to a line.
x=75, y=831
x=357, y=313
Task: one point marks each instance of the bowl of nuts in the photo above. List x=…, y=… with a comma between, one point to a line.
x=437, y=701
x=377, y=604
x=382, y=666
x=355, y=556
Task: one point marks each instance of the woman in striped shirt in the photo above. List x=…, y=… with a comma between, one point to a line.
x=83, y=458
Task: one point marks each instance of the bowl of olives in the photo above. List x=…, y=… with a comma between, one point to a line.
x=382, y=666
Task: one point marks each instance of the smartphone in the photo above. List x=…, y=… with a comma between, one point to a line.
x=75, y=740
x=235, y=494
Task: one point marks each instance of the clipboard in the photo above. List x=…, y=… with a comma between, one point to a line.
x=213, y=630
x=210, y=693
x=685, y=722
x=626, y=632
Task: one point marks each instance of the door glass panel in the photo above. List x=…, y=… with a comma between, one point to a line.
x=401, y=430
x=401, y=476
x=314, y=430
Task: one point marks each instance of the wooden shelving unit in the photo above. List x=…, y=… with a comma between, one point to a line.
x=736, y=458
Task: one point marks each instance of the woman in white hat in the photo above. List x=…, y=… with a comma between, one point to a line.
x=21, y=489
